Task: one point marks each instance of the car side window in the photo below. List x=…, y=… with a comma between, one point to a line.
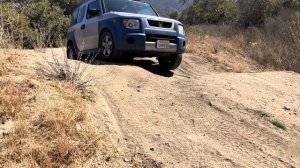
x=81, y=14
x=74, y=17
x=92, y=8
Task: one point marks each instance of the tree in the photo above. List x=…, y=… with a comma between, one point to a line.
x=37, y=23
x=48, y=22
x=210, y=11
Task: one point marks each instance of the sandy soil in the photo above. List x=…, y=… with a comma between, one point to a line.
x=197, y=116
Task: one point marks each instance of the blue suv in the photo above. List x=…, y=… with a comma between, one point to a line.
x=120, y=28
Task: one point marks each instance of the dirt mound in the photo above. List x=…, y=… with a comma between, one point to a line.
x=196, y=116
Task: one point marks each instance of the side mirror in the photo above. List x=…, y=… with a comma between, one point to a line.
x=93, y=11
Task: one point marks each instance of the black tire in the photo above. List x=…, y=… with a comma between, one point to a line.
x=126, y=58
x=107, y=47
x=170, y=62
x=71, y=54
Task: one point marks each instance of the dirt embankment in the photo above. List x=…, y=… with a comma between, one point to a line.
x=196, y=116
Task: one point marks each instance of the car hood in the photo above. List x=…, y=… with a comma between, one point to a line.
x=134, y=15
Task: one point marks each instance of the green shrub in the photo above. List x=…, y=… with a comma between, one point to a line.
x=280, y=125
x=48, y=23
x=292, y=4
x=210, y=11
x=35, y=24
x=15, y=26
x=241, y=12
x=295, y=30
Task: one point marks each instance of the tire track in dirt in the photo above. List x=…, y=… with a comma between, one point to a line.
x=231, y=125
x=202, y=118
x=163, y=112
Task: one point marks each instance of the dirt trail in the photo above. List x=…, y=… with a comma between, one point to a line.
x=197, y=117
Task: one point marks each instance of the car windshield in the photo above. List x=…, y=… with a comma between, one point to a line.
x=128, y=6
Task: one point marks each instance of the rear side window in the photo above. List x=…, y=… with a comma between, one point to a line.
x=93, y=5
x=81, y=14
x=74, y=17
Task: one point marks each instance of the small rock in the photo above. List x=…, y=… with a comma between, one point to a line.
x=210, y=103
x=167, y=144
x=138, y=90
x=78, y=127
x=5, y=132
x=107, y=159
x=287, y=108
x=193, y=122
x=215, y=51
x=152, y=149
x=127, y=159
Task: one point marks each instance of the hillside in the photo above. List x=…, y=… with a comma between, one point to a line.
x=165, y=7
x=139, y=116
x=233, y=102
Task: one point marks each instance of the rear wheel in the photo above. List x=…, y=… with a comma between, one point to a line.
x=71, y=54
x=107, y=47
x=170, y=62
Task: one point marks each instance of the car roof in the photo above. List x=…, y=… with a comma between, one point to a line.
x=84, y=1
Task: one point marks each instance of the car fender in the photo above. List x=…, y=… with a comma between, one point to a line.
x=112, y=25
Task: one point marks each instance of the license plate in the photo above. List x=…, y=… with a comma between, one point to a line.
x=162, y=44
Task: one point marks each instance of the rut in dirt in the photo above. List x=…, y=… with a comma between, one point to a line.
x=189, y=119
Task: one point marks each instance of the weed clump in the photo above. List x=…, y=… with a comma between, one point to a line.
x=279, y=125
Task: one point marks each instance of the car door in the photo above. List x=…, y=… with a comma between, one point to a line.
x=91, y=31
x=79, y=27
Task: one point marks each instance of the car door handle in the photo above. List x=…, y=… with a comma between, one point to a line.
x=82, y=27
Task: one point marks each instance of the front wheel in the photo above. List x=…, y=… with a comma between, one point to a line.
x=107, y=46
x=170, y=62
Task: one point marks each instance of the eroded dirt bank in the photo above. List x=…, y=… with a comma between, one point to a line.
x=197, y=116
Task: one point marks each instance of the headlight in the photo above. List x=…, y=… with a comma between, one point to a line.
x=131, y=23
x=180, y=29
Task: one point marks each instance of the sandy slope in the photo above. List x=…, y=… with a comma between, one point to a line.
x=197, y=117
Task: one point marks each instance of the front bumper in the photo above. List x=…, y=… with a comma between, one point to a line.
x=151, y=46
x=147, y=41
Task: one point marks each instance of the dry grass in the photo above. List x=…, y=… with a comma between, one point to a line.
x=50, y=130
x=7, y=61
x=50, y=124
x=10, y=106
x=220, y=44
x=272, y=47
x=75, y=73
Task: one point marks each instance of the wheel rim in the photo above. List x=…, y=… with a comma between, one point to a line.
x=107, y=46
